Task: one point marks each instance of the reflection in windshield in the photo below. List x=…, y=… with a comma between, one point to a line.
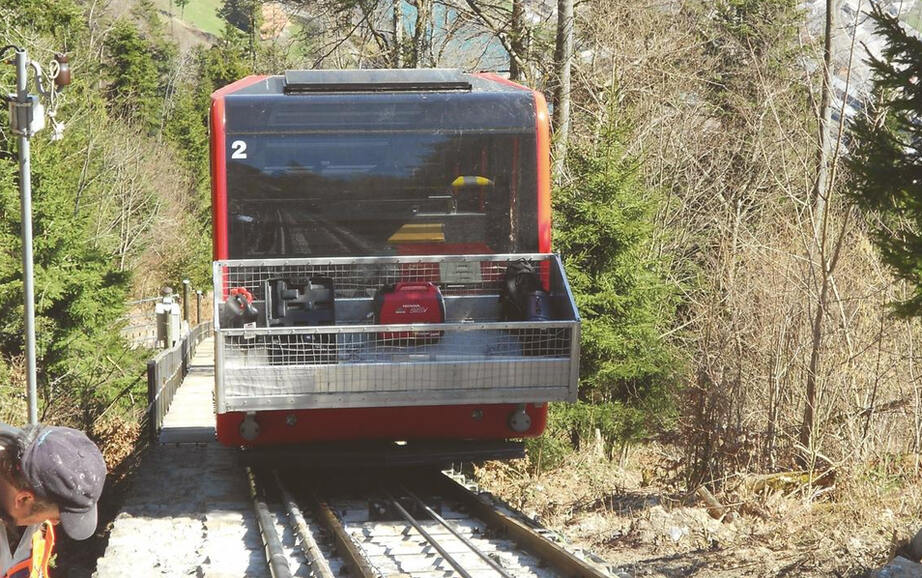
x=403, y=193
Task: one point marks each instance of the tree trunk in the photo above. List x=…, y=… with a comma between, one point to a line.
x=397, y=56
x=563, y=55
x=517, y=40
x=253, y=7
x=824, y=134
x=421, y=33
x=820, y=216
x=512, y=35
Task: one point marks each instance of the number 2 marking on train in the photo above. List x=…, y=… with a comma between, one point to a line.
x=240, y=149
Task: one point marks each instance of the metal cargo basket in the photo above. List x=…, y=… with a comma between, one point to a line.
x=263, y=363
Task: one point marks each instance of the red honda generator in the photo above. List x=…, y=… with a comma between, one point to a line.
x=410, y=303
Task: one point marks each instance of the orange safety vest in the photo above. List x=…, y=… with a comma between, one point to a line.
x=36, y=565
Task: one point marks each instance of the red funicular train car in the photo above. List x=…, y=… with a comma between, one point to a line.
x=382, y=259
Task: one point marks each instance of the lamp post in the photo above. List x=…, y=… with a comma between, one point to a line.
x=25, y=201
x=27, y=117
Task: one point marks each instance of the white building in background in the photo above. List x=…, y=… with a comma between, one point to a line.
x=855, y=29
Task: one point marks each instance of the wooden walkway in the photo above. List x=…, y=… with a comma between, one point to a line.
x=191, y=415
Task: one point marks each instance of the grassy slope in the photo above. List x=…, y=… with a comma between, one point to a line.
x=200, y=14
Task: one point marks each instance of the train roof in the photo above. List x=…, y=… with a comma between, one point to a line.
x=379, y=81
x=382, y=99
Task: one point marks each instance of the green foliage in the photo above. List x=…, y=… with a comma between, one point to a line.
x=886, y=158
x=572, y=425
x=187, y=125
x=79, y=290
x=244, y=15
x=60, y=19
x=604, y=231
x=754, y=42
x=92, y=200
x=134, y=80
x=548, y=451
x=224, y=63
x=186, y=128
x=758, y=24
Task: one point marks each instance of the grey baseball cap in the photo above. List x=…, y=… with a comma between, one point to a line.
x=64, y=466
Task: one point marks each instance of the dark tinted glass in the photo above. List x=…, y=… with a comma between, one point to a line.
x=490, y=111
x=380, y=193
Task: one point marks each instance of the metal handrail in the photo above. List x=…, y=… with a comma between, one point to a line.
x=166, y=371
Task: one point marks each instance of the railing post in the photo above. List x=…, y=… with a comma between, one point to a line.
x=186, y=352
x=185, y=300
x=152, y=386
x=198, y=307
x=165, y=373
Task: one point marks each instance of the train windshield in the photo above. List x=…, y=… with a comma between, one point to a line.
x=389, y=193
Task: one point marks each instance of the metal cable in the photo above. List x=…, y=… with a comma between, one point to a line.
x=9, y=47
x=315, y=557
x=278, y=563
x=448, y=558
x=435, y=516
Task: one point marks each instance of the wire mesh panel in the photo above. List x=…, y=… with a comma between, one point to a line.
x=363, y=276
x=475, y=355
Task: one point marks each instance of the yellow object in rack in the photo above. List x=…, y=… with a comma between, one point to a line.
x=419, y=233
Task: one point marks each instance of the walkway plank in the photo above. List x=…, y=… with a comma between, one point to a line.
x=190, y=418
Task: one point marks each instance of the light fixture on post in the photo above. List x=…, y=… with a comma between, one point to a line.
x=27, y=117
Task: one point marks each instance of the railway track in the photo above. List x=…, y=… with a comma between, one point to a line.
x=423, y=524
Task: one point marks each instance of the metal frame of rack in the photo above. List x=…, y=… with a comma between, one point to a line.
x=475, y=355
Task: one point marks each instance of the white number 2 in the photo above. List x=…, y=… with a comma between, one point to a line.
x=240, y=149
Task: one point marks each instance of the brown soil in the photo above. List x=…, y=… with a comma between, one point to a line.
x=186, y=36
x=275, y=21
x=649, y=529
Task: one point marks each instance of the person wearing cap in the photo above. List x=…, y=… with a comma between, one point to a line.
x=48, y=475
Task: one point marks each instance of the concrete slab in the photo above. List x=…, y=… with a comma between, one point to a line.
x=188, y=513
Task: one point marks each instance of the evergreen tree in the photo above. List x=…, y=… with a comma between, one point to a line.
x=246, y=16
x=187, y=130
x=241, y=14
x=603, y=229
x=62, y=18
x=80, y=291
x=886, y=157
x=134, y=79
x=90, y=205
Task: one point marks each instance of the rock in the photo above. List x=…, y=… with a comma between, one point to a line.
x=915, y=546
x=677, y=533
x=899, y=568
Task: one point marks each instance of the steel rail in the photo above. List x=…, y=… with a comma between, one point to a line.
x=312, y=552
x=435, y=543
x=524, y=536
x=350, y=552
x=278, y=563
x=435, y=516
